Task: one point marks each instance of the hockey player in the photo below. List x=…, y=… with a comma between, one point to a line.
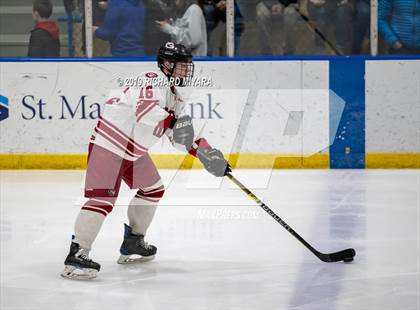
x=132, y=121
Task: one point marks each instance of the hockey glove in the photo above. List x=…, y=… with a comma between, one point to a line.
x=183, y=131
x=213, y=161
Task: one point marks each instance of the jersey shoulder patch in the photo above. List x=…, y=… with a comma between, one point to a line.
x=151, y=75
x=117, y=96
x=113, y=100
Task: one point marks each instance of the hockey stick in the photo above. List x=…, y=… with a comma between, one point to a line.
x=318, y=32
x=344, y=255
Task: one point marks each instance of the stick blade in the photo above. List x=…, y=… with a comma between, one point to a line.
x=346, y=256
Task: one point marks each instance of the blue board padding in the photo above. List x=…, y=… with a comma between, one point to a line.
x=4, y=113
x=347, y=80
x=207, y=59
x=4, y=100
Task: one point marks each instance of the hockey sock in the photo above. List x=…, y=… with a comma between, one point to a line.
x=86, y=228
x=142, y=208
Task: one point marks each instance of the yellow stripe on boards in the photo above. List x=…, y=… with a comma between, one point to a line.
x=393, y=161
x=238, y=161
x=42, y=161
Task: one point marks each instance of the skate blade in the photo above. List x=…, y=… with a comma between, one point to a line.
x=74, y=273
x=133, y=259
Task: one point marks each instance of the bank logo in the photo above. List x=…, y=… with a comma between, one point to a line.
x=4, y=108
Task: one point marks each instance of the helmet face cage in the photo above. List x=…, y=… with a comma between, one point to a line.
x=184, y=70
x=175, y=61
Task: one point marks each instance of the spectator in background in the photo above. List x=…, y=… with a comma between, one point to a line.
x=99, y=10
x=44, y=40
x=214, y=12
x=123, y=27
x=399, y=25
x=332, y=14
x=268, y=11
x=154, y=38
x=72, y=6
x=100, y=47
x=188, y=30
x=361, y=24
x=76, y=8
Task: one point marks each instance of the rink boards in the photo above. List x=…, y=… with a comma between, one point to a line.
x=320, y=112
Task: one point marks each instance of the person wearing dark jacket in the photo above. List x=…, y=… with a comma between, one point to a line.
x=268, y=11
x=333, y=15
x=215, y=12
x=123, y=27
x=360, y=24
x=154, y=37
x=44, y=40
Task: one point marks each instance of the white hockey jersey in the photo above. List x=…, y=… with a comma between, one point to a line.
x=135, y=118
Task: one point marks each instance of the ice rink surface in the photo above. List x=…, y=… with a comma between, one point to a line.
x=216, y=248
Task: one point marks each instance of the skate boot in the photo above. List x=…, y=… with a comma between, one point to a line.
x=78, y=265
x=134, y=248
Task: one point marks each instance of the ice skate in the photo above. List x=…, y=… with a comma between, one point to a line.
x=78, y=265
x=134, y=249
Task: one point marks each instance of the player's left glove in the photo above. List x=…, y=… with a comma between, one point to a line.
x=213, y=161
